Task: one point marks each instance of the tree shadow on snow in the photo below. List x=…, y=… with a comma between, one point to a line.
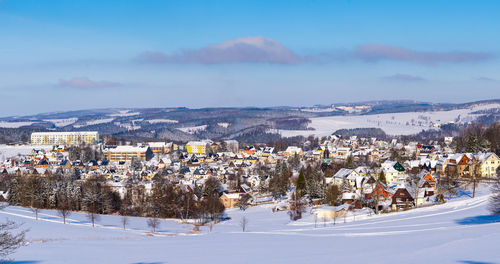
x=478, y=220
x=474, y=262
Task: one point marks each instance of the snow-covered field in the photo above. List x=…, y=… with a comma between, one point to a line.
x=192, y=130
x=224, y=124
x=94, y=122
x=392, y=123
x=6, y=124
x=460, y=231
x=123, y=113
x=160, y=120
x=62, y=121
x=7, y=151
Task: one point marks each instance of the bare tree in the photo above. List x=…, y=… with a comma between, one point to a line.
x=64, y=212
x=244, y=201
x=296, y=207
x=63, y=206
x=494, y=205
x=243, y=223
x=34, y=193
x=417, y=181
x=93, y=217
x=92, y=198
x=35, y=209
x=153, y=223
x=124, y=221
x=9, y=241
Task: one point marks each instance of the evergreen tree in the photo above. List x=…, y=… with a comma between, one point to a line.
x=350, y=162
x=346, y=187
x=301, y=183
x=332, y=195
x=315, y=184
x=472, y=145
x=382, y=178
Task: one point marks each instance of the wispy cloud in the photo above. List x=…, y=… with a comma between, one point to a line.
x=266, y=50
x=86, y=83
x=379, y=52
x=243, y=50
x=485, y=79
x=405, y=78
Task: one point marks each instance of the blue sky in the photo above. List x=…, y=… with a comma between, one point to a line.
x=65, y=55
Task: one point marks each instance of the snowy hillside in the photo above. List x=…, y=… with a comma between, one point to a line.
x=460, y=231
x=393, y=123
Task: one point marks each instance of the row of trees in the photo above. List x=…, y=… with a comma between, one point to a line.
x=95, y=197
x=479, y=137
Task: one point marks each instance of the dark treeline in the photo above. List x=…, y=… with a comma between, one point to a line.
x=479, y=137
x=94, y=196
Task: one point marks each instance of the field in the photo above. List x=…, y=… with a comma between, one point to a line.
x=459, y=231
x=393, y=123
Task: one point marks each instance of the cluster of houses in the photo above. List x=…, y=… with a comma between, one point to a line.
x=413, y=181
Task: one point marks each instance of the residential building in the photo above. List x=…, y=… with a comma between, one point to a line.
x=64, y=138
x=198, y=147
x=128, y=153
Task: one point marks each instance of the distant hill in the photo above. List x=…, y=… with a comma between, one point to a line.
x=183, y=124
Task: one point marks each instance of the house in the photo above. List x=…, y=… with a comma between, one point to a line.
x=199, y=147
x=402, y=198
x=488, y=164
x=128, y=153
x=393, y=171
x=458, y=164
x=380, y=191
x=427, y=182
x=65, y=164
x=352, y=198
x=159, y=147
x=292, y=151
x=343, y=175
x=427, y=149
x=230, y=199
x=43, y=163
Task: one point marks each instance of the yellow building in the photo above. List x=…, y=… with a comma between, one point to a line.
x=230, y=199
x=488, y=164
x=198, y=147
x=64, y=138
x=128, y=153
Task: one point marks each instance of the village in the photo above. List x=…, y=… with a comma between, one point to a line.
x=337, y=175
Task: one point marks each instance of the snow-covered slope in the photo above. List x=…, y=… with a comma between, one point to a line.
x=393, y=123
x=460, y=231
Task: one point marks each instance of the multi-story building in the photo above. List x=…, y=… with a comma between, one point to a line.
x=160, y=147
x=64, y=138
x=128, y=153
x=198, y=147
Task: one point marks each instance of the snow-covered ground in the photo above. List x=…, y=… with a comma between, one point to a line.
x=6, y=124
x=192, y=130
x=7, y=151
x=224, y=124
x=392, y=123
x=94, y=122
x=123, y=113
x=160, y=120
x=460, y=231
x=62, y=121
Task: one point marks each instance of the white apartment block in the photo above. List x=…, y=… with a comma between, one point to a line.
x=64, y=138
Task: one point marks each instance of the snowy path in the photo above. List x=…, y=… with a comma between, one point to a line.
x=459, y=231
